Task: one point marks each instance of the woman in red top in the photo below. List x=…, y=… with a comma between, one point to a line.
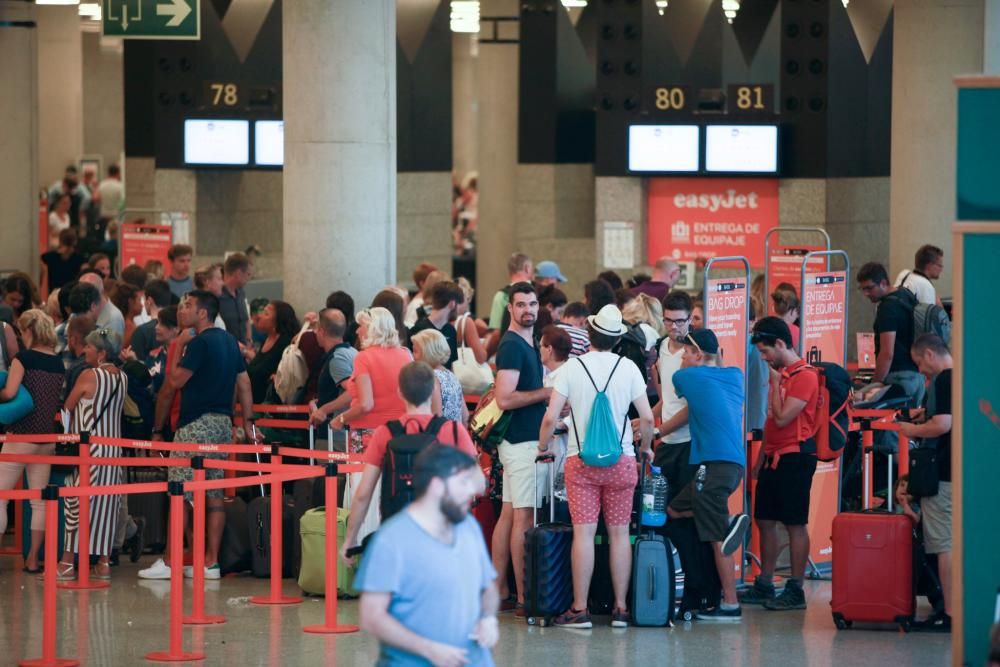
x=374, y=385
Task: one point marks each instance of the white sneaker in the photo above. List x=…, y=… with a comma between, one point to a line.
x=212, y=572
x=158, y=570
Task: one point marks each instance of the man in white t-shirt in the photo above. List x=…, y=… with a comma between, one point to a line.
x=929, y=263
x=674, y=449
x=593, y=490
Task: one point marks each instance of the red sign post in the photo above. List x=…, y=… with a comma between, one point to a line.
x=785, y=262
x=824, y=317
x=141, y=243
x=694, y=219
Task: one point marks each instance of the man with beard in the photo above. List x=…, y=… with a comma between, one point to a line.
x=519, y=392
x=786, y=465
x=428, y=588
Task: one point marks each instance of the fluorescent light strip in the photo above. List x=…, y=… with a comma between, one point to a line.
x=465, y=16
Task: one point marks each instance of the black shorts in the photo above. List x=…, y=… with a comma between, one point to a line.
x=673, y=460
x=783, y=492
x=707, y=497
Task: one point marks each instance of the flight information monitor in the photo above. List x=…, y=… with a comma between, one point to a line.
x=741, y=149
x=216, y=142
x=663, y=148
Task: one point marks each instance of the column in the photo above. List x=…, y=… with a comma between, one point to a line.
x=498, y=108
x=19, y=183
x=340, y=148
x=932, y=43
x=60, y=90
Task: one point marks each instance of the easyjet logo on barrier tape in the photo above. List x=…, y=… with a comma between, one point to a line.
x=208, y=448
x=141, y=444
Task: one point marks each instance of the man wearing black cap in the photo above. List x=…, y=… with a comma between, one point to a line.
x=714, y=397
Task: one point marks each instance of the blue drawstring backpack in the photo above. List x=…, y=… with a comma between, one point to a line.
x=602, y=444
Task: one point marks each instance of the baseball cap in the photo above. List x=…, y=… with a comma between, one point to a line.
x=704, y=340
x=549, y=269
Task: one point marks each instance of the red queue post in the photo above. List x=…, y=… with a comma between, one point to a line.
x=176, y=653
x=83, y=582
x=330, y=625
x=277, y=499
x=50, y=494
x=198, y=615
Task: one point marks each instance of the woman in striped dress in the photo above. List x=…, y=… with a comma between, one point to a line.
x=96, y=401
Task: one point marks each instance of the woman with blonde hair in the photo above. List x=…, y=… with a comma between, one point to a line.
x=96, y=401
x=40, y=370
x=644, y=315
x=431, y=347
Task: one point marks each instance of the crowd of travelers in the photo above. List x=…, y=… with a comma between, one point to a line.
x=168, y=352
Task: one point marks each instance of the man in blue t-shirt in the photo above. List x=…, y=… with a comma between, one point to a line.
x=428, y=587
x=210, y=371
x=715, y=398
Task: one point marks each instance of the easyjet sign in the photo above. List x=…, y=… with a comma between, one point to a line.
x=701, y=218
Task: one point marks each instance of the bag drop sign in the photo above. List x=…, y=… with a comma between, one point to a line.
x=726, y=315
x=702, y=218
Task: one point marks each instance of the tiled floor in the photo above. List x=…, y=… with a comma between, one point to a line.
x=120, y=625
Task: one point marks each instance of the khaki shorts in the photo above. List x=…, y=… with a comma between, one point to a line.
x=521, y=487
x=935, y=514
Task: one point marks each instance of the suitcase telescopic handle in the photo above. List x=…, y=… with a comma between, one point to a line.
x=545, y=458
x=652, y=582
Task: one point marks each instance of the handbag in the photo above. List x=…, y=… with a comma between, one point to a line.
x=488, y=423
x=924, y=476
x=474, y=377
x=17, y=408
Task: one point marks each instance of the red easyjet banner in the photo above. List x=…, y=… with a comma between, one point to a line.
x=701, y=218
x=141, y=243
x=726, y=315
x=824, y=317
x=784, y=265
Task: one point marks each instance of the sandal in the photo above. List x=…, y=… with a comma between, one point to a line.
x=102, y=572
x=65, y=572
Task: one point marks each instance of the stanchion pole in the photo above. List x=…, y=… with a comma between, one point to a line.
x=752, y=556
x=198, y=616
x=330, y=625
x=904, y=455
x=277, y=502
x=176, y=651
x=83, y=581
x=50, y=494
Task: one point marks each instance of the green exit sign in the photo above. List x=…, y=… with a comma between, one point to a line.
x=152, y=19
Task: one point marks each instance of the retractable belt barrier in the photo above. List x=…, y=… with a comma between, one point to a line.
x=275, y=473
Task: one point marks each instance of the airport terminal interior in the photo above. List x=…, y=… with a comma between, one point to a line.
x=257, y=240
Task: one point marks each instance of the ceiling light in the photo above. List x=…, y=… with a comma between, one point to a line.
x=660, y=6
x=464, y=16
x=846, y=2
x=574, y=3
x=729, y=8
x=57, y=2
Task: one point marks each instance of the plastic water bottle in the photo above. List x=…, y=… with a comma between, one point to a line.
x=654, y=499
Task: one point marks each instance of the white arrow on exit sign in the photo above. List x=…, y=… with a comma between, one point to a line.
x=176, y=9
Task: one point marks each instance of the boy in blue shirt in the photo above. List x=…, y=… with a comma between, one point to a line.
x=428, y=587
x=715, y=398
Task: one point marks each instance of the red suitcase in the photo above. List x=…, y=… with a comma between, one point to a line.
x=873, y=565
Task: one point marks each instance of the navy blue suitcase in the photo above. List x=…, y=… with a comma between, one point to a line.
x=548, y=577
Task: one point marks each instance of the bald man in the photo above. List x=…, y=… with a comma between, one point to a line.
x=666, y=273
x=109, y=317
x=336, y=367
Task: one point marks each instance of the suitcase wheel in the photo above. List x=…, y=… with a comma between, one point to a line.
x=531, y=620
x=841, y=622
x=688, y=615
x=905, y=626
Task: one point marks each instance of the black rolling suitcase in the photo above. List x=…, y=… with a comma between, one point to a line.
x=548, y=577
x=234, y=551
x=702, y=587
x=259, y=520
x=153, y=507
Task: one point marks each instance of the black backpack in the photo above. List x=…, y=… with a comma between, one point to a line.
x=397, y=468
x=633, y=346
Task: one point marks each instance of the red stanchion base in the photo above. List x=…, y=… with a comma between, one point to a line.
x=89, y=586
x=262, y=599
x=42, y=662
x=167, y=656
x=203, y=620
x=330, y=629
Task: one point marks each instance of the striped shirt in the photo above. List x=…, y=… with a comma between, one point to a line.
x=580, y=338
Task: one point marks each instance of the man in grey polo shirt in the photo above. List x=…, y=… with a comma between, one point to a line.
x=233, y=305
